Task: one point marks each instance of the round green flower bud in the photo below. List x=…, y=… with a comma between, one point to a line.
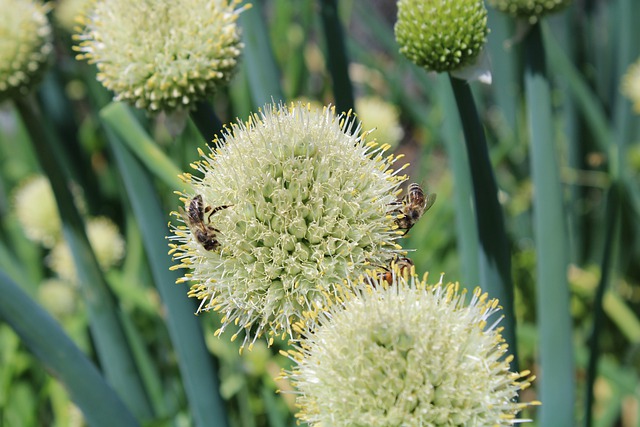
x=291, y=203
x=441, y=35
x=25, y=46
x=406, y=354
x=162, y=55
x=630, y=86
x=378, y=114
x=37, y=211
x=529, y=9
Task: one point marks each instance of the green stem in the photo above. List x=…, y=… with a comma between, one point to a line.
x=206, y=120
x=337, y=55
x=44, y=337
x=115, y=356
x=494, y=255
x=611, y=221
x=197, y=368
x=465, y=219
x=556, y=384
x=258, y=61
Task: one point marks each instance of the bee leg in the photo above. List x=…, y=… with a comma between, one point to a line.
x=214, y=210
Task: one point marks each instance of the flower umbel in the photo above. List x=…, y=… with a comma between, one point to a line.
x=25, y=45
x=532, y=10
x=303, y=203
x=162, y=55
x=630, y=85
x=37, y=211
x=407, y=354
x=382, y=116
x=441, y=35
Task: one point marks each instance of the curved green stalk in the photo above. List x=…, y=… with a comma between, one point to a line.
x=465, y=220
x=336, y=55
x=494, y=255
x=556, y=384
x=206, y=120
x=113, y=352
x=119, y=118
x=196, y=365
x=611, y=221
x=42, y=335
x=258, y=61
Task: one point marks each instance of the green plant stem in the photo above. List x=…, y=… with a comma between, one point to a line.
x=463, y=193
x=206, y=120
x=336, y=55
x=122, y=121
x=113, y=352
x=196, y=365
x=611, y=221
x=258, y=61
x=494, y=255
x=556, y=384
x=42, y=335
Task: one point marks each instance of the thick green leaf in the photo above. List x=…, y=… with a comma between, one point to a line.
x=467, y=236
x=556, y=383
x=124, y=124
x=196, y=365
x=338, y=62
x=495, y=258
x=47, y=341
x=258, y=61
x=115, y=356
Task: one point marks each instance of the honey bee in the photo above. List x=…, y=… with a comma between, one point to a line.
x=402, y=265
x=204, y=232
x=412, y=207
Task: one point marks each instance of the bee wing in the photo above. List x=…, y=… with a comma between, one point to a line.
x=430, y=200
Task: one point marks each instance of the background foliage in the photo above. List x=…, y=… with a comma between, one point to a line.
x=166, y=365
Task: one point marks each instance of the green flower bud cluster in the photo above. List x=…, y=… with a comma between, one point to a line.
x=406, y=354
x=441, y=35
x=25, y=46
x=162, y=55
x=292, y=203
x=529, y=9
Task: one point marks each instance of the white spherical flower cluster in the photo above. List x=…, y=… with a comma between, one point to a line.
x=162, y=55
x=382, y=116
x=630, y=85
x=303, y=202
x=25, y=46
x=37, y=211
x=106, y=242
x=406, y=354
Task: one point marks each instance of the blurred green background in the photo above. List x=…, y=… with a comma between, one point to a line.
x=588, y=47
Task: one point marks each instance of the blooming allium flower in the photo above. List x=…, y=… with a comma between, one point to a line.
x=37, y=211
x=406, y=354
x=68, y=13
x=630, y=85
x=529, y=9
x=25, y=45
x=106, y=243
x=162, y=55
x=58, y=297
x=441, y=35
x=384, y=117
x=304, y=202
